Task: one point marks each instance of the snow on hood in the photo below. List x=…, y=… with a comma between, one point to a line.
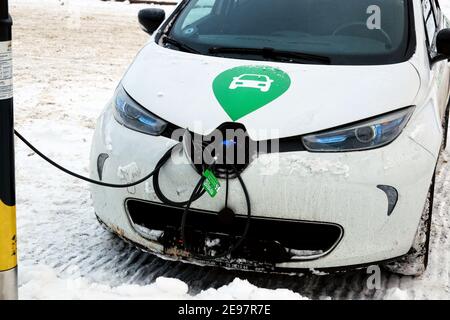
x=178, y=87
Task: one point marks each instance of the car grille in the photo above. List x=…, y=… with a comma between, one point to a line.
x=269, y=240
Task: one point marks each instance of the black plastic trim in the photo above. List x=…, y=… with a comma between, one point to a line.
x=279, y=270
x=102, y=157
x=392, y=197
x=294, y=234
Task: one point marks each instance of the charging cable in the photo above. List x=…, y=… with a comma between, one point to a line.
x=244, y=235
x=197, y=193
x=156, y=186
x=96, y=182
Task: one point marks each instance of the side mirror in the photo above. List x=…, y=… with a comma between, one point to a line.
x=151, y=19
x=442, y=45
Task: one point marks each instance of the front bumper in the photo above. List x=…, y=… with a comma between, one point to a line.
x=338, y=189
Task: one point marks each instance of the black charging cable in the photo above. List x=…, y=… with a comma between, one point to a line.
x=196, y=194
x=227, y=180
x=156, y=187
x=242, y=238
x=96, y=182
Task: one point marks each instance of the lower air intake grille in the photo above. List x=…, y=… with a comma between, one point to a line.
x=269, y=240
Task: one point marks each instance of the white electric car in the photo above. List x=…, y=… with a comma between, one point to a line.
x=355, y=113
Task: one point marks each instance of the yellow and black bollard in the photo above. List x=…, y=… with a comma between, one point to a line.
x=8, y=251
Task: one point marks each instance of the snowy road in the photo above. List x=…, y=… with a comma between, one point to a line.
x=68, y=60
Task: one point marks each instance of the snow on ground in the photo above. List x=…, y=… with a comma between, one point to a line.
x=69, y=56
x=41, y=282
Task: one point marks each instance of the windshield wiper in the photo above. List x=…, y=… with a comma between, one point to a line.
x=179, y=45
x=273, y=53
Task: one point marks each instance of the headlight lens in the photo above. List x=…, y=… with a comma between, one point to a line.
x=362, y=136
x=130, y=114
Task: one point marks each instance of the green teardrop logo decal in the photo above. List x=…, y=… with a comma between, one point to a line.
x=243, y=90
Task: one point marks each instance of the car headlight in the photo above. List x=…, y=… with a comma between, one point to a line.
x=365, y=135
x=130, y=114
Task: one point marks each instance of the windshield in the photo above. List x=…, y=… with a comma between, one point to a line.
x=340, y=31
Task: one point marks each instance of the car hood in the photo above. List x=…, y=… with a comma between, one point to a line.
x=201, y=92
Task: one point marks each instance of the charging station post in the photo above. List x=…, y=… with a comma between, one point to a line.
x=8, y=249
